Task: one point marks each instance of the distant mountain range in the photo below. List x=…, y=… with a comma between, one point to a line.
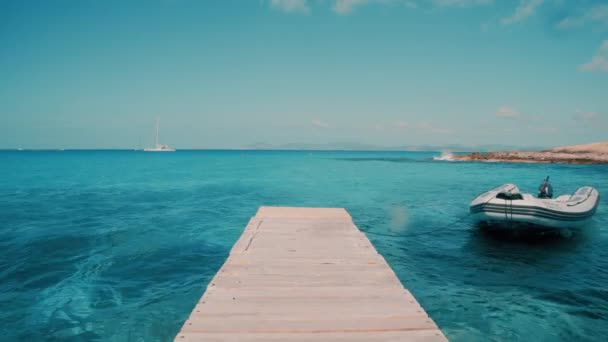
x=340, y=146
x=365, y=147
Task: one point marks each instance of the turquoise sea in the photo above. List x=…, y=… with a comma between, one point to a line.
x=119, y=245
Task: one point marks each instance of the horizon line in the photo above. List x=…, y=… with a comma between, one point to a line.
x=244, y=149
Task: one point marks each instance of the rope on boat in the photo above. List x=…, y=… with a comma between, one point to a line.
x=509, y=206
x=460, y=219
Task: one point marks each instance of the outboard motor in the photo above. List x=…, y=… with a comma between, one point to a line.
x=545, y=190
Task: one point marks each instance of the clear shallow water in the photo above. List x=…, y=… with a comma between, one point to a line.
x=119, y=245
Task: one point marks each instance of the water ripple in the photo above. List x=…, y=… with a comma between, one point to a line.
x=118, y=246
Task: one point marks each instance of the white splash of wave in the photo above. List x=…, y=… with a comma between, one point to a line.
x=445, y=155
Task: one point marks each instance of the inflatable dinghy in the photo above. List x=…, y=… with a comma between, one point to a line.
x=506, y=206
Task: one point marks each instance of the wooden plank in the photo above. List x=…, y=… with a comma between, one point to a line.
x=384, y=336
x=307, y=213
x=322, y=293
x=306, y=274
x=311, y=323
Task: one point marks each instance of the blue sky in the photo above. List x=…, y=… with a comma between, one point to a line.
x=228, y=74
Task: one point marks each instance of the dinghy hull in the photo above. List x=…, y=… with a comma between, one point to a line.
x=507, y=207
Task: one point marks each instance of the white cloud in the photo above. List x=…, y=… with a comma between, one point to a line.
x=410, y=4
x=507, y=112
x=598, y=14
x=346, y=6
x=525, y=9
x=590, y=120
x=423, y=126
x=429, y=128
x=437, y=130
x=586, y=116
x=291, y=6
x=319, y=124
x=461, y=3
x=543, y=129
x=599, y=62
x=379, y=127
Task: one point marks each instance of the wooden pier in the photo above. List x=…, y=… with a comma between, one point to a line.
x=306, y=274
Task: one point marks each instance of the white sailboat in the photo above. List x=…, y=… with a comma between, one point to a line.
x=159, y=147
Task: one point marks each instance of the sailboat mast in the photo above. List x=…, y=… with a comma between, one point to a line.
x=157, y=123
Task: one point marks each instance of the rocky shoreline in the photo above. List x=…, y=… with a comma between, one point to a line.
x=596, y=153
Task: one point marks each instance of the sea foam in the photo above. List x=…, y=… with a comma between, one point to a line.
x=445, y=156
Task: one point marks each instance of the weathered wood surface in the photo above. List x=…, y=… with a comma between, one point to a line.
x=306, y=274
